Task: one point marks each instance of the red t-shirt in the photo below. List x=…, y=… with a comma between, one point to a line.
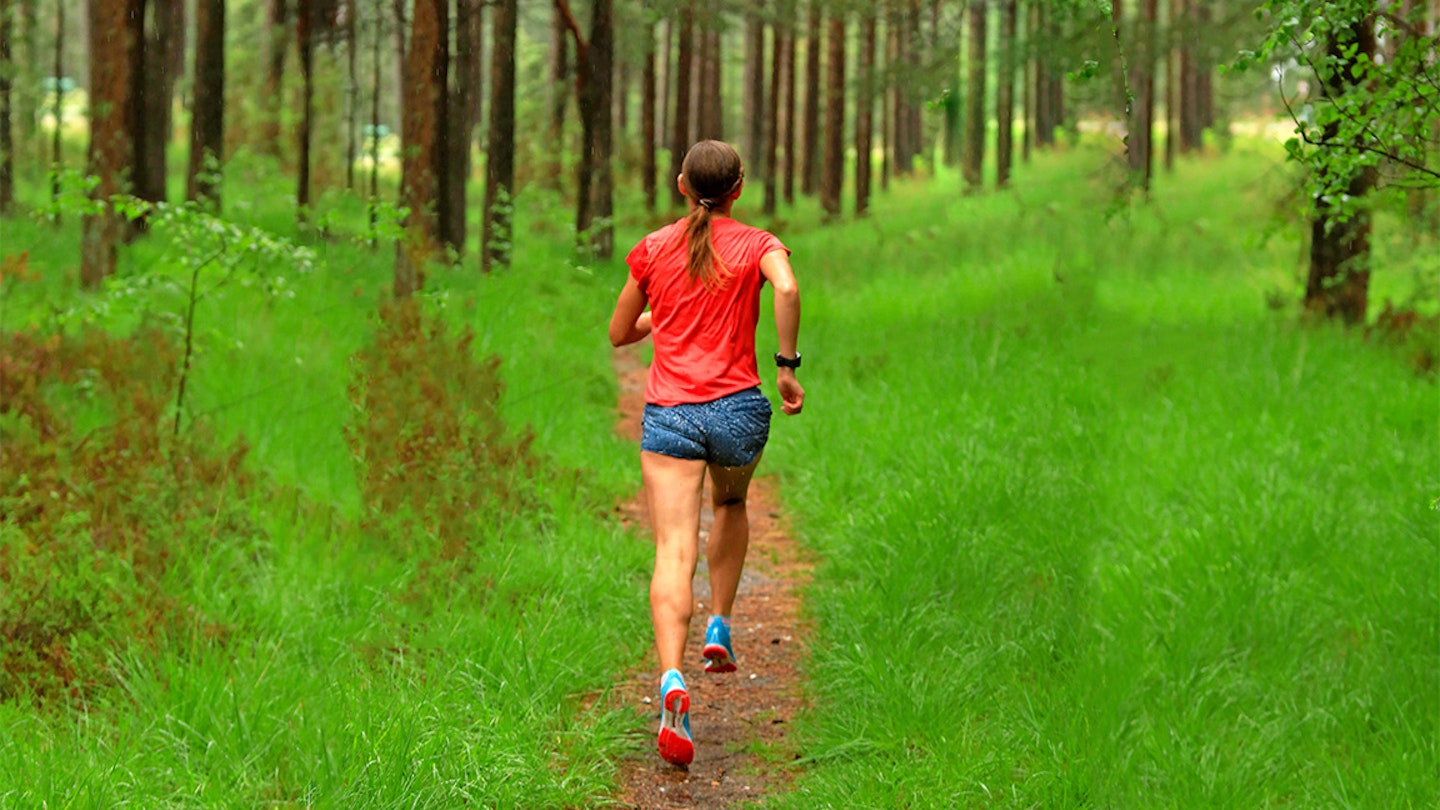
x=704, y=339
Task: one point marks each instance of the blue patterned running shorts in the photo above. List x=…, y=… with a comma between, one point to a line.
x=729, y=431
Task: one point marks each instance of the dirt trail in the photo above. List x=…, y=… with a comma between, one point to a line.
x=740, y=720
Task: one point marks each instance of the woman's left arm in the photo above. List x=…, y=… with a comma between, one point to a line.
x=631, y=322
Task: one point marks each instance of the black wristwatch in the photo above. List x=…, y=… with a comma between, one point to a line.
x=782, y=361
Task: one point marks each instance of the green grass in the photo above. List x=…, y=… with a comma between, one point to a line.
x=345, y=673
x=1097, y=528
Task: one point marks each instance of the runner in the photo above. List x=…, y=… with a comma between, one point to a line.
x=701, y=277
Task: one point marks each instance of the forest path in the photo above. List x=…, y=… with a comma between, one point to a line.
x=740, y=720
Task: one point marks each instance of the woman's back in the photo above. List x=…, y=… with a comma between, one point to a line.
x=704, y=334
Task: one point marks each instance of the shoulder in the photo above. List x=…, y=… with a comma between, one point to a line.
x=758, y=240
x=653, y=244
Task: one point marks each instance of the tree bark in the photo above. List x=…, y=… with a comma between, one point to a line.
x=112, y=46
x=810, y=123
x=164, y=39
x=422, y=166
x=710, y=100
x=787, y=117
x=1339, y=279
x=495, y=248
x=754, y=78
x=647, y=120
x=1140, y=128
x=207, y=122
x=352, y=96
x=277, y=44
x=864, y=108
x=833, y=171
x=973, y=157
x=57, y=155
x=664, y=76
x=772, y=121
x=1171, y=96
x=594, y=216
x=462, y=114
x=305, y=39
x=1005, y=96
x=375, y=44
x=1027, y=85
x=680, y=137
x=7, y=138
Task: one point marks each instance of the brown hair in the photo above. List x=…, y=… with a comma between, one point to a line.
x=712, y=172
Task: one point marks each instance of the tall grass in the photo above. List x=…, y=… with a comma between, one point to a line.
x=1099, y=528
x=326, y=666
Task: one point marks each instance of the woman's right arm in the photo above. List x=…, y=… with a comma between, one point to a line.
x=630, y=322
x=775, y=266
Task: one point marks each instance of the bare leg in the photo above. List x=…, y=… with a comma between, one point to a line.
x=673, y=487
x=730, y=533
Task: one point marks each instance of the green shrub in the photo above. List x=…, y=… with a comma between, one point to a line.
x=97, y=502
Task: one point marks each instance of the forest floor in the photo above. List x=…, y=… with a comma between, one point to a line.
x=741, y=720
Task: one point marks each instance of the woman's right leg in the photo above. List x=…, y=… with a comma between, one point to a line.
x=673, y=488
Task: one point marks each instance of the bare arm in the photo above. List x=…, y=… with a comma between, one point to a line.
x=631, y=322
x=775, y=266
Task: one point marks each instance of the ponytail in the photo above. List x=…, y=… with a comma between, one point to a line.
x=713, y=174
x=703, y=263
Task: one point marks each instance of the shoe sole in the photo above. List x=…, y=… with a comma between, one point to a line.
x=676, y=747
x=717, y=659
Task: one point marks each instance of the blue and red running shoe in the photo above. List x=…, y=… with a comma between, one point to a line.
x=719, y=657
x=675, y=743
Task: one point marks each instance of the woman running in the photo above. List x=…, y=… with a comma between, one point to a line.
x=701, y=278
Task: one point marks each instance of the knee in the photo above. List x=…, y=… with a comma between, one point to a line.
x=729, y=502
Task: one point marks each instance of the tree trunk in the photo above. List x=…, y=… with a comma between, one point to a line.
x=57, y=155
x=787, y=117
x=112, y=47
x=772, y=121
x=833, y=172
x=887, y=120
x=154, y=96
x=7, y=139
x=352, y=96
x=1140, y=128
x=25, y=82
x=647, y=120
x=495, y=248
x=305, y=38
x=810, y=124
x=711, y=107
x=620, y=98
x=277, y=44
x=1171, y=96
x=973, y=157
x=560, y=85
x=899, y=107
x=601, y=200
x=755, y=118
x=207, y=121
x=375, y=66
x=1339, y=279
x=664, y=78
x=422, y=166
x=680, y=137
x=1027, y=85
x=462, y=113
x=1005, y=96
x=864, y=108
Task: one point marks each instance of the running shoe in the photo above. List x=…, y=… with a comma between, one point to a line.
x=676, y=745
x=719, y=657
